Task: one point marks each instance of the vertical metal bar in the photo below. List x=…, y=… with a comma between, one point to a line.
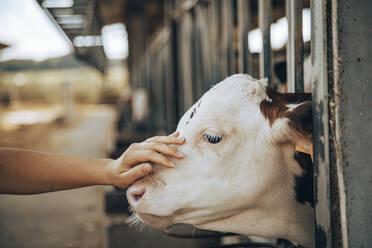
x=175, y=53
x=319, y=61
x=295, y=48
x=213, y=40
x=244, y=25
x=265, y=19
x=186, y=60
x=171, y=101
x=230, y=33
x=163, y=94
x=196, y=57
x=204, y=34
x=219, y=57
x=224, y=38
x=241, y=24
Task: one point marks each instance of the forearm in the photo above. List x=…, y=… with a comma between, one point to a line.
x=28, y=172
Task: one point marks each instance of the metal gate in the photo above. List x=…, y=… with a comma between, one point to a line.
x=205, y=41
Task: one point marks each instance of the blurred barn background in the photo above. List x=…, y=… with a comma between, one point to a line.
x=89, y=77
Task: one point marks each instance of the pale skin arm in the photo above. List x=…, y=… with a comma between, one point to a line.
x=29, y=172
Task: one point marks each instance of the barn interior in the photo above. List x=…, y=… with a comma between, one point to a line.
x=151, y=24
x=175, y=51
x=145, y=27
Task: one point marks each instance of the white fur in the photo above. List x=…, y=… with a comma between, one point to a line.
x=244, y=184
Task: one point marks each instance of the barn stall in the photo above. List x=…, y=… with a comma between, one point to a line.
x=179, y=49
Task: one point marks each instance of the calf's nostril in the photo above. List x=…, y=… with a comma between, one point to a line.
x=137, y=192
x=137, y=196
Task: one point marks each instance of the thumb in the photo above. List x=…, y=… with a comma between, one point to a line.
x=136, y=172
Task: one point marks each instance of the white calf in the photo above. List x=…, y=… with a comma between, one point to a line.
x=241, y=172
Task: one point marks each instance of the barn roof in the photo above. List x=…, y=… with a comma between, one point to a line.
x=78, y=18
x=87, y=17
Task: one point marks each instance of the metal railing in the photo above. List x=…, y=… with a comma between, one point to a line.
x=195, y=50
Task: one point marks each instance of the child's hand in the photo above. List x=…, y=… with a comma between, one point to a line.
x=134, y=162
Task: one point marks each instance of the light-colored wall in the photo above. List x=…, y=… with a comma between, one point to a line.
x=45, y=86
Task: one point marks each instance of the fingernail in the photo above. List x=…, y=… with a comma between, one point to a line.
x=180, y=154
x=180, y=138
x=171, y=164
x=147, y=168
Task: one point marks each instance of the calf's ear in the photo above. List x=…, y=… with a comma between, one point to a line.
x=300, y=123
x=294, y=125
x=290, y=117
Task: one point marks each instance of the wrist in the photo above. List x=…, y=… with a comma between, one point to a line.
x=105, y=176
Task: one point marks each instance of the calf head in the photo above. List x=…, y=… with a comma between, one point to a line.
x=240, y=172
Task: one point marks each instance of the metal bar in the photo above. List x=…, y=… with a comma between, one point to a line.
x=203, y=29
x=319, y=60
x=240, y=35
x=265, y=19
x=186, y=62
x=230, y=32
x=178, y=97
x=295, y=48
x=217, y=39
x=224, y=38
x=244, y=25
x=196, y=56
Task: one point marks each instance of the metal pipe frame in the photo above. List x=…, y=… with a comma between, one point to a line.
x=265, y=20
x=244, y=25
x=295, y=47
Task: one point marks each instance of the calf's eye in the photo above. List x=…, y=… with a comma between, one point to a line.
x=212, y=138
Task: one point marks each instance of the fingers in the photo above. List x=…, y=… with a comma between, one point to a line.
x=153, y=150
x=172, y=139
x=158, y=158
x=135, y=173
x=162, y=148
x=134, y=163
x=147, y=155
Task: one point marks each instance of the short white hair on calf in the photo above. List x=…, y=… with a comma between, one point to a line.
x=243, y=84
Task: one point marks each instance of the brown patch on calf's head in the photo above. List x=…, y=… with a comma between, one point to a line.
x=273, y=109
x=300, y=116
x=276, y=108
